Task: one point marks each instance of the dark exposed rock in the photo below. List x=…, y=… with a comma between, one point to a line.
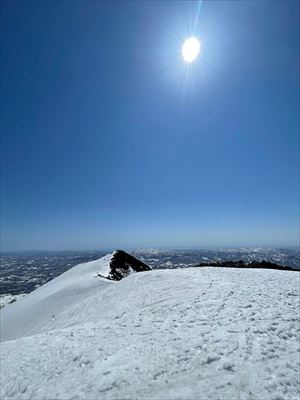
x=242, y=264
x=122, y=264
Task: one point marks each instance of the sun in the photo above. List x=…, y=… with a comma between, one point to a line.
x=191, y=49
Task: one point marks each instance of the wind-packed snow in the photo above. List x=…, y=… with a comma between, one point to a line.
x=196, y=333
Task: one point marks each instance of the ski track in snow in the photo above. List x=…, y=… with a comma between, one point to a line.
x=197, y=333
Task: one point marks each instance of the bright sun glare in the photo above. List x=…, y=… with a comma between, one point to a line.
x=191, y=49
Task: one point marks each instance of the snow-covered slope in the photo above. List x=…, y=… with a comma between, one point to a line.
x=29, y=314
x=197, y=333
x=77, y=284
x=10, y=298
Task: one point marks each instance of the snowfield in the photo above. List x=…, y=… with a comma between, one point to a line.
x=195, y=333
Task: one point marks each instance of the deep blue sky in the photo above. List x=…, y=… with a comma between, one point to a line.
x=109, y=141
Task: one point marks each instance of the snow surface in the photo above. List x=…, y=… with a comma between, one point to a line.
x=27, y=316
x=196, y=333
x=10, y=298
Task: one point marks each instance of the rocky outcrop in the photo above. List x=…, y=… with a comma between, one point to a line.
x=242, y=264
x=123, y=264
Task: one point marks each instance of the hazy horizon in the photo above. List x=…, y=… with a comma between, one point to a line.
x=159, y=248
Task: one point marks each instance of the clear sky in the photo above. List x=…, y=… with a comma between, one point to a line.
x=109, y=139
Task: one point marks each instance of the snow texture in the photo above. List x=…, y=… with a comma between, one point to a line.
x=28, y=315
x=196, y=333
x=9, y=298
